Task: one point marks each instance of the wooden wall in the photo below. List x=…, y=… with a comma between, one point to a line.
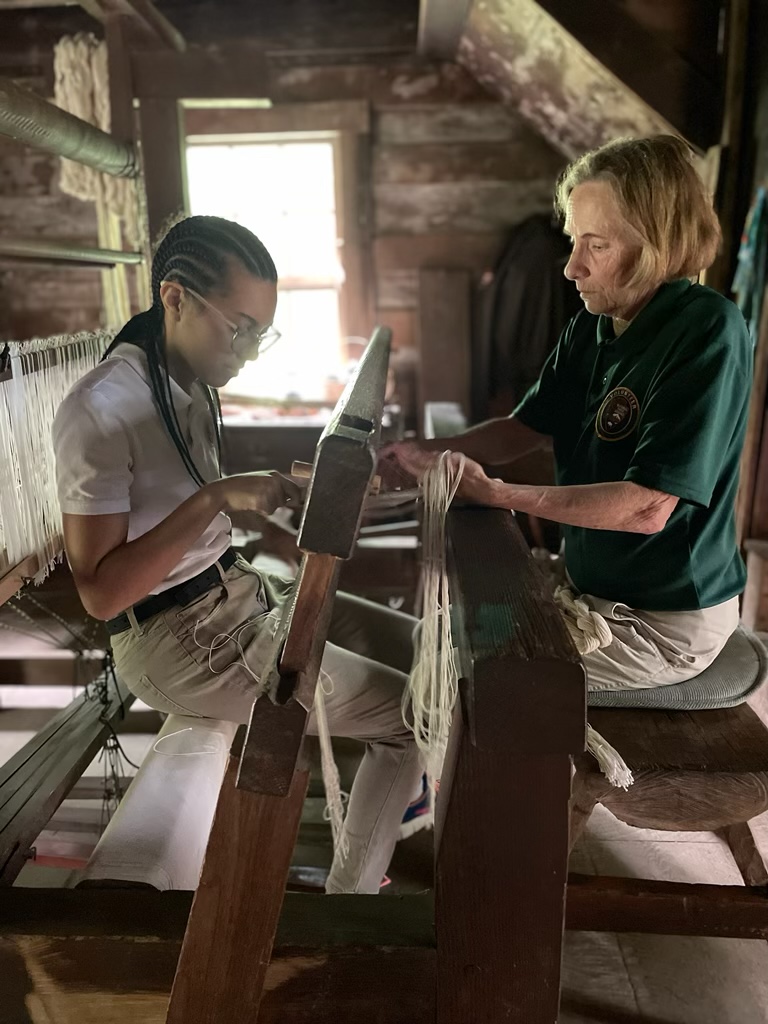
x=447, y=182
x=39, y=300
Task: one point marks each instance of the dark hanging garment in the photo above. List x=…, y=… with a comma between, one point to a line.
x=522, y=309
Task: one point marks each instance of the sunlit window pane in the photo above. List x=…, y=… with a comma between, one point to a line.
x=285, y=193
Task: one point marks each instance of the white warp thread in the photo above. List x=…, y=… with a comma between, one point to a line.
x=432, y=688
x=433, y=683
x=42, y=372
x=334, y=797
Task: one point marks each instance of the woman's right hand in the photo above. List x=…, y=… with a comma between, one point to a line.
x=257, y=492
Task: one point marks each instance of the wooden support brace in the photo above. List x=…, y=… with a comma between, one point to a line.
x=234, y=917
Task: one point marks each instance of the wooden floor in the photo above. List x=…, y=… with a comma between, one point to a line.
x=608, y=979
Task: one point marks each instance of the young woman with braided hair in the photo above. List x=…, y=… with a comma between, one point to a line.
x=147, y=531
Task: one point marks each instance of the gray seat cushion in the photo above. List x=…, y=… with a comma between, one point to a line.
x=739, y=670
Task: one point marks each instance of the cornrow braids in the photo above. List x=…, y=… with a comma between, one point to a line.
x=197, y=253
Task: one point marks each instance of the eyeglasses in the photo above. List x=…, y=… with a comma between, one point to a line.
x=245, y=340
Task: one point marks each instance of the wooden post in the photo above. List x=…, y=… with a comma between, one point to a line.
x=163, y=163
x=445, y=338
x=232, y=926
x=502, y=809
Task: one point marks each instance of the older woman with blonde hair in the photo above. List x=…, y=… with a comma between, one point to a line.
x=644, y=400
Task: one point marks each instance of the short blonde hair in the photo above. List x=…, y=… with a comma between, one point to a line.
x=662, y=198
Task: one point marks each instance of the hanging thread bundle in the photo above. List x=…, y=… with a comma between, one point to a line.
x=42, y=372
x=81, y=87
x=432, y=688
x=430, y=696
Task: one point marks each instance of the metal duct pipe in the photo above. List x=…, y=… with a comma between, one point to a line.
x=35, y=122
x=45, y=251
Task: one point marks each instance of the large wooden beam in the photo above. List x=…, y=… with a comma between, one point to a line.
x=666, y=908
x=675, y=88
x=334, y=958
x=521, y=716
x=142, y=13
x=246, y=71
x=441, y=25
x=164, y=163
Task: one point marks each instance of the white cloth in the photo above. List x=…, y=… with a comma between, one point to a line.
x=114, y=455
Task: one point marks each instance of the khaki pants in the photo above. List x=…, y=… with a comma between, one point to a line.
x=657, y=648
x=206, y=660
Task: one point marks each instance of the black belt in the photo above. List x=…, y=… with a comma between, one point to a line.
x=181, y=594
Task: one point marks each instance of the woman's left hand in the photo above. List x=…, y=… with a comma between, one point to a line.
x=475, y=486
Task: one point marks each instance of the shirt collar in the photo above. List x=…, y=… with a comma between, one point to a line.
x=137, y=358
x=647, y=321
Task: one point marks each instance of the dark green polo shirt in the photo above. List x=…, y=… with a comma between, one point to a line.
x=664, y=405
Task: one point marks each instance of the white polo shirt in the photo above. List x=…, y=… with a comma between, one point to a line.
x=114, y=454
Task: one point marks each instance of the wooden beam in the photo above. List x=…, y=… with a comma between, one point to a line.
x=145, y=12
x=14, y=578
x=248, y=71
x=347, y=115
x=676, y=89
x=163, y=163
x=666, y=908
x=441, y=25
x=445, y=337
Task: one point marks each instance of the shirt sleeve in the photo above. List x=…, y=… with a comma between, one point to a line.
x=693, y=412
x=93, y=459
x=541, y=404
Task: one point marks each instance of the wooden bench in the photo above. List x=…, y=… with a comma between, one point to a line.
x=694, y=771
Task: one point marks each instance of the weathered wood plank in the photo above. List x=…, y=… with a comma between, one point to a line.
x=348, y=115
x=383, y=83
x=458, y=206
x=398, y=290
x=425, y=163
x=448, y=251
x=445, y=337
x=727, y=740
x=247, y=71
x=449, y=123
x=163, y=163
x=525, y=58
x=682, y=93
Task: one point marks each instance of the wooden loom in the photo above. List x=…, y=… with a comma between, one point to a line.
x=486, y=946
x=500, y=883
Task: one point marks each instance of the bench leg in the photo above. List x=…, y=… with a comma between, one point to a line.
x=748, y=858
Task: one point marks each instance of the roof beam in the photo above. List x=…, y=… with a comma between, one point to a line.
x=441, y=24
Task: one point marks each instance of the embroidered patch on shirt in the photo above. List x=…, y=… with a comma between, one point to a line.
x=618, y=415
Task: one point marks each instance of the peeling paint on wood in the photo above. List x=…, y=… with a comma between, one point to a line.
x=528, y=60
x=450, y=123
x=445, y=207
x=479, y=161
x=401, y=82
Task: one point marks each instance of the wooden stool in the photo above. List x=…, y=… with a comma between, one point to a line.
x=695, y=770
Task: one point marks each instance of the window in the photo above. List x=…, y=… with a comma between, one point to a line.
x=284, y=190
